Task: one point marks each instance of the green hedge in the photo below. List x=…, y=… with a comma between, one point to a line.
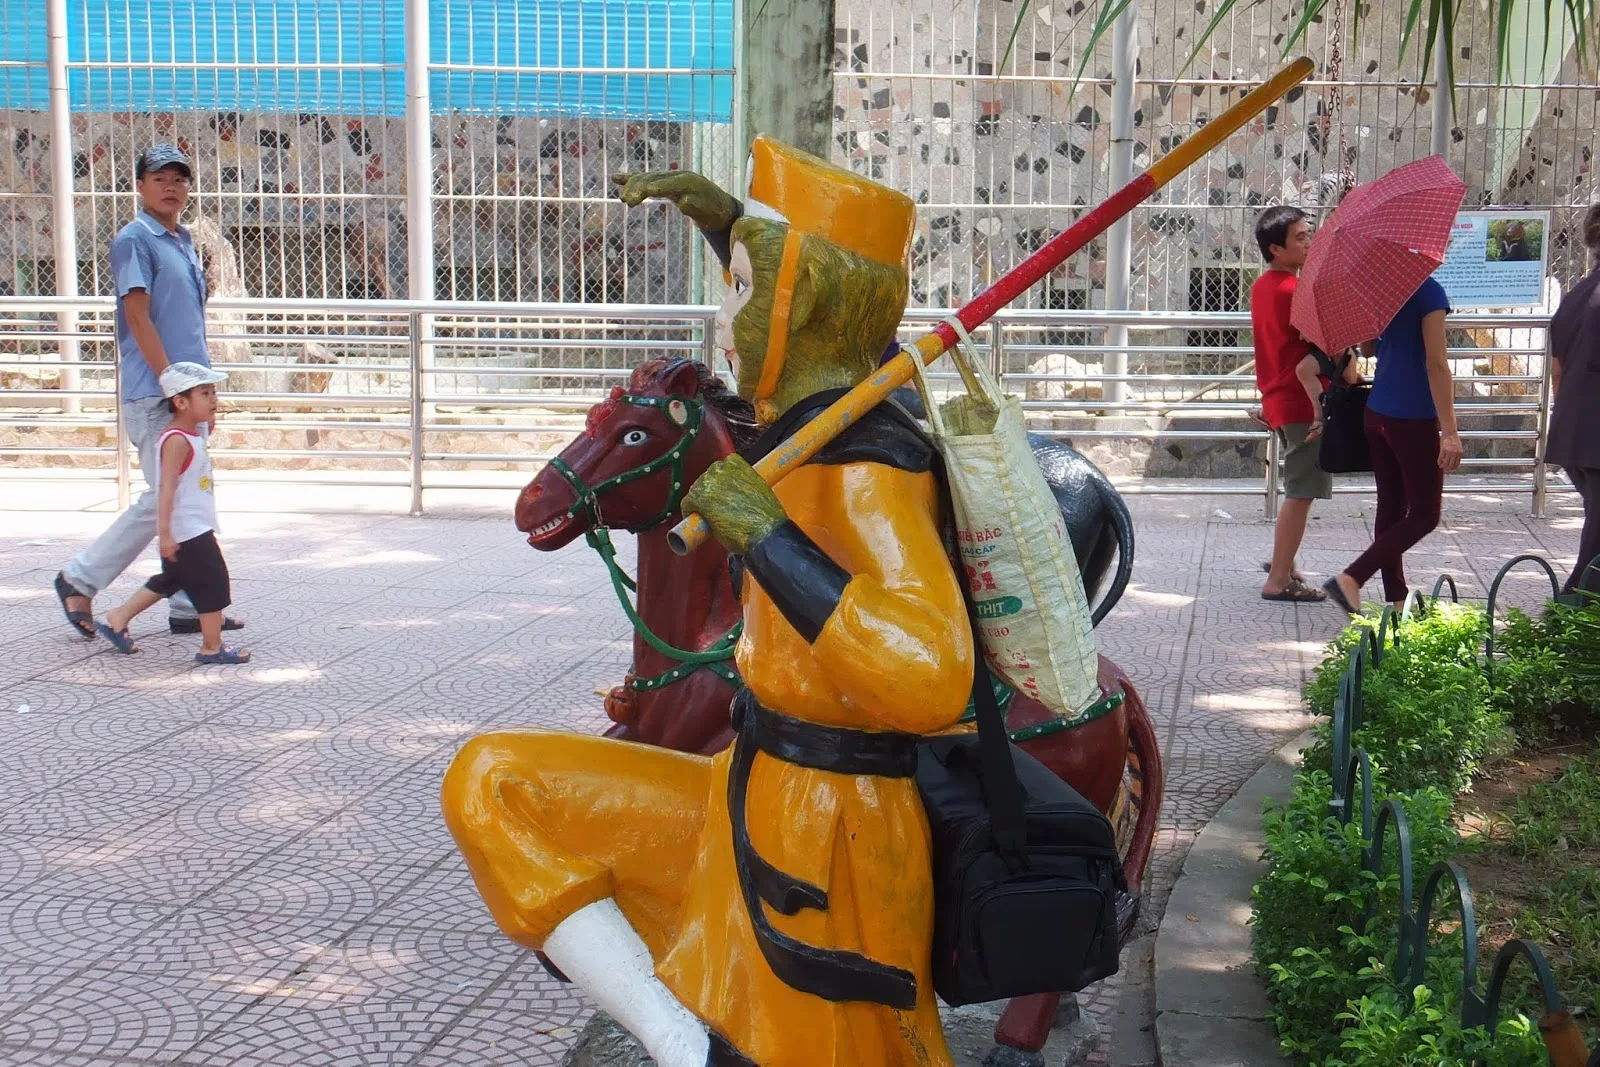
x=1431, y=715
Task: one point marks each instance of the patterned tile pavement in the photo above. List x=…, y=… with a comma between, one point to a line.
x=241, y=866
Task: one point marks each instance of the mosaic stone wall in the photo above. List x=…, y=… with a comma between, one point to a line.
x=1002, y=162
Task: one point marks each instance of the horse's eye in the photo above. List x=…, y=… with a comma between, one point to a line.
x=739, y=286
x=635, y=437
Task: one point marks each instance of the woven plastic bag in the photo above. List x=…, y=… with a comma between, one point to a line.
x=1032, y=615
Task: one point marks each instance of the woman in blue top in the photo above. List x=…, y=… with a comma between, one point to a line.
x=1411, y=429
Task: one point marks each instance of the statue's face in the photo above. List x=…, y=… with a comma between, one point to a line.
x=733, y=302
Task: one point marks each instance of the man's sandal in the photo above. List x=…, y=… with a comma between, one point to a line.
x=1297, y=593
x=82, y=621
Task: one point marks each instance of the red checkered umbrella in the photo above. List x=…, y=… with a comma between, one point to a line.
x=1382, y=242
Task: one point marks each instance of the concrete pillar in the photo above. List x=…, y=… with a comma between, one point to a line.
x=785, y=61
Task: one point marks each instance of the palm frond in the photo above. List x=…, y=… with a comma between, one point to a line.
x=1016, y=24
x=1435, y=19
x=1307, y=17
x=1217, y=16
x=1105, y=18
x=1110, y=11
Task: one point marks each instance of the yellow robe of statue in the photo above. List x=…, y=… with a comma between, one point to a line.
x=552, y=822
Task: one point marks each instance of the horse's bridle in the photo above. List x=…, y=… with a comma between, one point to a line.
x=587, y=506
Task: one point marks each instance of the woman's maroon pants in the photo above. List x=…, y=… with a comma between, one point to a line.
x=1405, y=461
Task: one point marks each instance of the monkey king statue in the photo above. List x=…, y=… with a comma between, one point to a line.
x=772, y=904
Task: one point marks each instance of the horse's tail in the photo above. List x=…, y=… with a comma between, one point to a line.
x=1144, y=748
x=1122, y=523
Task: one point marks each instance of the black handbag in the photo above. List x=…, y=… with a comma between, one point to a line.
x=1026, y=873
x=1343, y=449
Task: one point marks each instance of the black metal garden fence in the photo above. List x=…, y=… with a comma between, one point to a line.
x=1353, y=797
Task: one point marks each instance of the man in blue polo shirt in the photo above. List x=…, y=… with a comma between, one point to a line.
x=161, y=319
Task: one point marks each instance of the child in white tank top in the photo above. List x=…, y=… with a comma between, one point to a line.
x=186, y=519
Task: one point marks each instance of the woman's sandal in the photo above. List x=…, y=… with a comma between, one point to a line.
x=225, y=654
x=82, y=621
x=119, y=638
x=1335, y=594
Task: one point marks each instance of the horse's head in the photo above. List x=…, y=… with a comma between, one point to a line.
x=640, y=451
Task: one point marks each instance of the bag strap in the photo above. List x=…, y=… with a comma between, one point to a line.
x=1331, y=370
x=1002, y=792
x=930, y=403
x=976, y=376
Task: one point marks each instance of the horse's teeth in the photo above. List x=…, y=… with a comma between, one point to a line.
x=547, y=527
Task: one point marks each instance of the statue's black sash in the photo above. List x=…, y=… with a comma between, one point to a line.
x=832, y=974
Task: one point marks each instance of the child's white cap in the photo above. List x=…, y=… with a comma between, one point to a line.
x=181, y=377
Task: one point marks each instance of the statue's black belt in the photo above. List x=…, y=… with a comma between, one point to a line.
x=832, y=974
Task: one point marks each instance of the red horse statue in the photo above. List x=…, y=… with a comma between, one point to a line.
x=640, y=451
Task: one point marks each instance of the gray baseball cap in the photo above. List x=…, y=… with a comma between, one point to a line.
x=159, y=157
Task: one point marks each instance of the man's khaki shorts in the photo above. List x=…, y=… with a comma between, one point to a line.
x=1302, y=478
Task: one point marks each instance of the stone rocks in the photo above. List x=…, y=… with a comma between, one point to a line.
x=968, y=1029
x=605, y=1044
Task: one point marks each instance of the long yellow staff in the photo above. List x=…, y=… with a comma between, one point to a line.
x=810, y=438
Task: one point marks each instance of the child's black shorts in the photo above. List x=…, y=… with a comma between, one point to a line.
x=199, y=571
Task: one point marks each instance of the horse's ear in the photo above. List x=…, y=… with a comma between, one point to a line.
x=682, y=379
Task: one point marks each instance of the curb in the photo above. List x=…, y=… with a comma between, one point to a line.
x=1211, y=1008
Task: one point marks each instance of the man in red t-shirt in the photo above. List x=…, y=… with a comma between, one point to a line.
x=1284, y=235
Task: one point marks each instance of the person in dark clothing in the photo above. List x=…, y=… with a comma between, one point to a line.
x=1411, y=430
x=1574, y=442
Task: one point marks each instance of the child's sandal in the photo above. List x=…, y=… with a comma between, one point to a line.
x=119, y=638
x=225, y=654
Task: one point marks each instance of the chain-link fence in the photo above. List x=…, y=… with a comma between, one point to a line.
x=972, y=107
x=295, y=119
x=25, y=180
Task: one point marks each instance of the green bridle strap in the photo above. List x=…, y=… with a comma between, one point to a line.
x=587, y=505
x=713, y=659
x=678, y=674
x=1054, y=725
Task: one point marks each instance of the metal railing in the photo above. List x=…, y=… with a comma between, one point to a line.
x=400, y=393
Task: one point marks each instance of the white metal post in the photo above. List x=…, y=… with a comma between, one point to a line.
x=416, y=320
x=741, y=147
x=1119, y=241
x=1274, y=488
x=119, y=434
x=63, y=217
x=419, y=223
x=1541, y=470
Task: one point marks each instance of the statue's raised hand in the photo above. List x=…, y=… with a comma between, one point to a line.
x=736, y=502
x=697, y=196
